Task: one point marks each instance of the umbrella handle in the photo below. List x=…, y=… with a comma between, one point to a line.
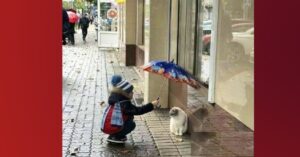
x=158, y=105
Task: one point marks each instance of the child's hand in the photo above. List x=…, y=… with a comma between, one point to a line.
x=155, y=103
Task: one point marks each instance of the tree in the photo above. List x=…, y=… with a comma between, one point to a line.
x=75, y=4
x=79, y=4
x=92, y=1
x=67, y=5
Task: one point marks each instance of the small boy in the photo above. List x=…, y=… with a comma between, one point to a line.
x=123, y=92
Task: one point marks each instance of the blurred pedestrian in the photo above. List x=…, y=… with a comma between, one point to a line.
x=96, y=27
x=91, y=18
x=72, y=29
x=109, y=23
x=84, y=25
x=65, y=26
x=71, y=33
x=77, y=22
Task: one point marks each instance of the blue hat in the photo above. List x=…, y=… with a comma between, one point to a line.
x=124, y=85
x=116, y=79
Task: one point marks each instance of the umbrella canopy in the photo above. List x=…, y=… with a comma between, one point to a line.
x=172, y=71
x=73, y=18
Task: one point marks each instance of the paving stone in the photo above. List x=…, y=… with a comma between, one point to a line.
x=185, y=151
x=171, y=146
x=85, y=154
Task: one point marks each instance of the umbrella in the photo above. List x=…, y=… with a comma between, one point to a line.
x=172, y=71
x=73, y=18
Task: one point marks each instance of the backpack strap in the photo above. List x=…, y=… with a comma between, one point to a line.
x=122, y=109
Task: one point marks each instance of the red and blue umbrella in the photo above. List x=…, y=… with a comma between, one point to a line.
x=172, y=71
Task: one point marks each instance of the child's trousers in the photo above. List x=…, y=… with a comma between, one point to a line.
x=128, y=127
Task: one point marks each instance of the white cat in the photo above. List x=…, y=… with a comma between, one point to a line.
x=178, y=122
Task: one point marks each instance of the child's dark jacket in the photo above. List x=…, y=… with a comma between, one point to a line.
x=128, y=109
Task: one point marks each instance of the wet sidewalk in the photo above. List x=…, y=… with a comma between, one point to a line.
x=86, y=76
x=87, y=71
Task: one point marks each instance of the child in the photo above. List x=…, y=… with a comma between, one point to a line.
x=123, y=92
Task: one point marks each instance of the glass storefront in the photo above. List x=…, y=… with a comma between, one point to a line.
x=235, y=59
x=203, y=40
x=186, y=36
x=173, y=30
x=194, y=24
x=234, y=82
x=195, y=20
x=108, y=17
x=191, y=29
x=146, y=24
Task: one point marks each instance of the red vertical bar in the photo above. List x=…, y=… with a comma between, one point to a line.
x=31, y=78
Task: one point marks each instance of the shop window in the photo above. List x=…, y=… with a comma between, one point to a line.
x=186, y=36
x=204, y=29
x=234, y=64
x=146, y=18
x=194, y=35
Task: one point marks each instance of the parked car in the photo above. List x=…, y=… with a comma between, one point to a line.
x=251, y=57
x=237, y=21
x=241, y=44
x=206, y=44
x=241, y=27
x=245, y=40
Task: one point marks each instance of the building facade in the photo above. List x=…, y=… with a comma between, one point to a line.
x=212, y=39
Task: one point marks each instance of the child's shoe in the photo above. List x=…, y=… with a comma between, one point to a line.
x=114, y=139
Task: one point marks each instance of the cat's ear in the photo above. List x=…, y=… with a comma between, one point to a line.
x=176, y=111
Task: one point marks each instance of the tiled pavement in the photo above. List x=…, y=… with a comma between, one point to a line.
x=86, y=74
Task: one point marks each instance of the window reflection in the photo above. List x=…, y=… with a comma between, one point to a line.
x=236, y=33
x=108, y=17
x=204, y=35
x=235, y=53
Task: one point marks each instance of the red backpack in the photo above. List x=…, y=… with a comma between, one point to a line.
x=113, y=118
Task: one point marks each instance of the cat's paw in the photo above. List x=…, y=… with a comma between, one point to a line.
x=172, y=130
x=178, y=132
